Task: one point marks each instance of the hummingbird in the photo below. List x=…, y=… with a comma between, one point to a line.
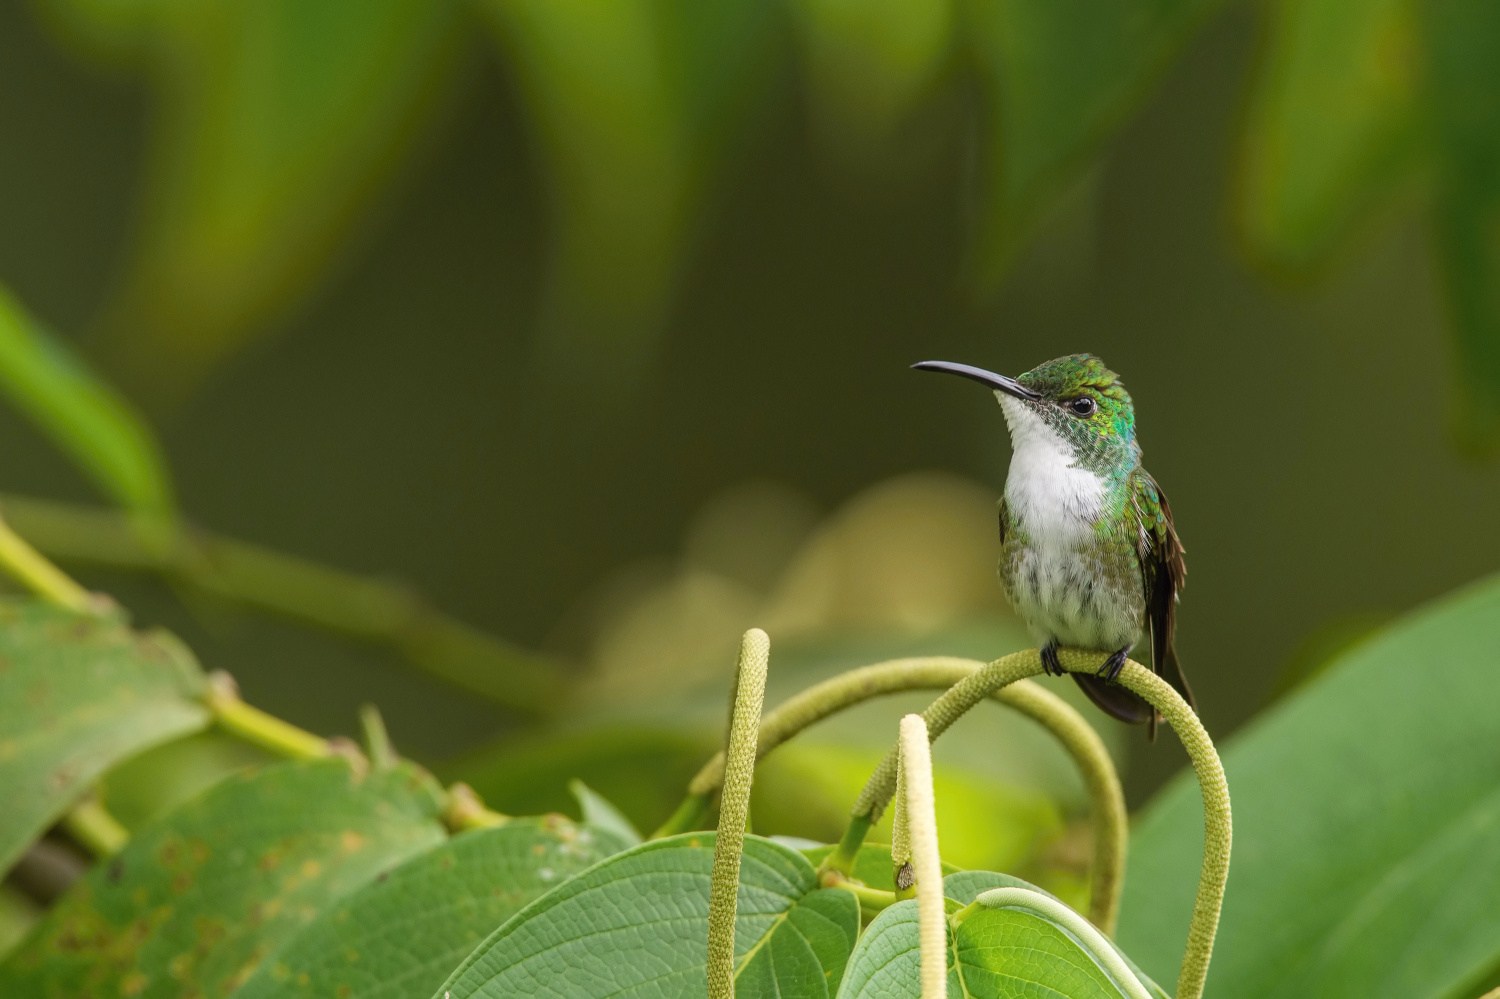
x=1089, y=556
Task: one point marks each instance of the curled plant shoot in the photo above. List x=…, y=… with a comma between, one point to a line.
x=856, y=686
x=962, y=696
x=734, y=809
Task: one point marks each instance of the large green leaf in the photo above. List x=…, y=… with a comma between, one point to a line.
x=1463, y=60
x=1334, y=124
x=637, y=925
x=197, y=900
x=78, y=694
x=1060, y=75
x=400, y=936
x=277, y=121
x=993, y=952
x=85, y=417
x=1366, y=827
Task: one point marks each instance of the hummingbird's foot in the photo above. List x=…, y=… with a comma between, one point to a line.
x=1111, y=667
x=1050, y=664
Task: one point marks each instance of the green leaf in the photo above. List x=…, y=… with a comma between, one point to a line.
x=401, y=935
x=77, y=695
x=196, y=901
x=277, y=121
x=1334, y=125
x=599, y=811
x=1463, y=61
x=637, y=924
x=992, y=952
x=87, y=419
x=966, y=886
x=1366, y=826
x=1060, y=76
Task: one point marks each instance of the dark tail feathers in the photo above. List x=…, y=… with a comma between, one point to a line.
x=1127, y=706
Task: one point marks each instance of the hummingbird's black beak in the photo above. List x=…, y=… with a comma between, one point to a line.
x=1000, y=383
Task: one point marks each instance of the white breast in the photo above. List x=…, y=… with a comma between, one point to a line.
x=1055, y=503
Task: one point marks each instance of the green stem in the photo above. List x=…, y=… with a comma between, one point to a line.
x=871, y=900
x=31, y=569
x=357, y=606
x=843, y=856
x=377, y=740
x=920, y=813
x=856, y=686
x=254, y=725
x=734, y=810
x=466, y=811
x=91, y=824
x=1217, y=820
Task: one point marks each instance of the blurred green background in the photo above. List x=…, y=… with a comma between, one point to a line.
x=590, y=322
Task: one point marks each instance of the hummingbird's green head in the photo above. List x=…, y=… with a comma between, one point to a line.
x=1073, y=402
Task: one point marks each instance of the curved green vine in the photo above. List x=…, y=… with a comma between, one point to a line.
x=962, y=696
x=1078, y=737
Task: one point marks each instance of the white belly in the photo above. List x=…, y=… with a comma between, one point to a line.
x=1059, y=581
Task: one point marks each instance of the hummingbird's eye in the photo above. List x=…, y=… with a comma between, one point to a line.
x=1083, y=406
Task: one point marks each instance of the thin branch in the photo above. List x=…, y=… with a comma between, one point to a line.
x=734, y=810
x=356, y=606
x=921, y=821
x=91, y=824
x=377, y=740
x=254, y=725
x=28, y=567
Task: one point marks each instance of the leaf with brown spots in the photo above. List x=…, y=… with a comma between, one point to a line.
x=77, y=695
x=199, y=898
x=400, y=936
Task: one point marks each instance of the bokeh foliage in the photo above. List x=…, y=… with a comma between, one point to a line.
x=1361, y=105
x=277, y=127
x=277, y=124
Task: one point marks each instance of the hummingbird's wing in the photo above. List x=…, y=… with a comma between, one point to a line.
x=1163, y=570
